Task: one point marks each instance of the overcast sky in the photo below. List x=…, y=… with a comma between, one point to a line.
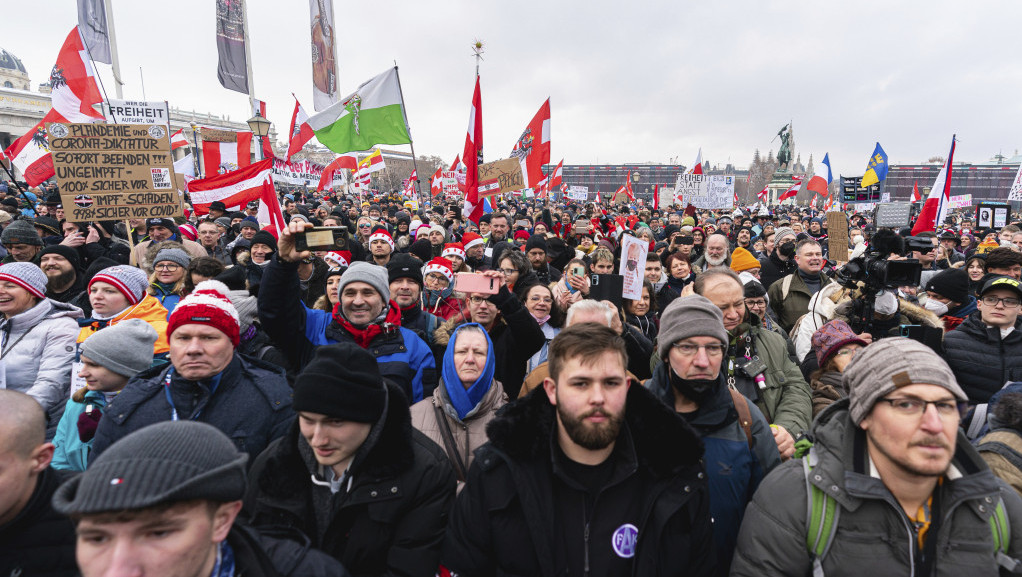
x=628, y=82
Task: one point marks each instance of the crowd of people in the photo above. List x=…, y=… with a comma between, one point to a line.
x=200, y=396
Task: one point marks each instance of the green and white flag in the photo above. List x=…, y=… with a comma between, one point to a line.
x=371, y=115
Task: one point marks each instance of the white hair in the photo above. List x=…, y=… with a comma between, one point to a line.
x=589, y=306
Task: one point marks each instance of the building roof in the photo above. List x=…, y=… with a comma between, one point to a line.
x=9, y=61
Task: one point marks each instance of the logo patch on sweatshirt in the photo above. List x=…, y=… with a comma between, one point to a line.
x=624, y=540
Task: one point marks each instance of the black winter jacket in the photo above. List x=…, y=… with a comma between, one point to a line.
x=251, y=405
x=503, y=524
x=39, y=541
x=283, y=555
x=981, y=360
x=390, y=522
x=773, y=269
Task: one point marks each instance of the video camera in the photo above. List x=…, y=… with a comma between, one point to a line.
x=877, y=273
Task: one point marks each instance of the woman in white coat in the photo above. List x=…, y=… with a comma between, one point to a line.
x=37, y=336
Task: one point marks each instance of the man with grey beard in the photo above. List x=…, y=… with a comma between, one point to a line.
x=717, y=253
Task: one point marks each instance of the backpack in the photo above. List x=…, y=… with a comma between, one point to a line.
x=823, y=512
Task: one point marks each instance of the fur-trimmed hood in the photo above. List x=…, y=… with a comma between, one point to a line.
x=664, y=442
x=914, y=313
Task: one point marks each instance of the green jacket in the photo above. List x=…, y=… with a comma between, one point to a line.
x=790, y=305
x=787, y=399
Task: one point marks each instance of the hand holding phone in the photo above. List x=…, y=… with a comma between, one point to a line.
x=469, y=282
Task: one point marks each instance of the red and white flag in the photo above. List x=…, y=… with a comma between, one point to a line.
x=916, y=197
x=473, y=155
x=763, y=195
x=790, y=193
x=628, y=187
x=221, y=157
x=177, y=140
x=555, y=176
x=259, y=108
x=300, y=132
x=410, y=188
x=436, y=183
x=349, y=161
x=939, y=200
x=656, y=196
x=697, y=168
x=239, y=187
x=533, y=146
x=74, y=92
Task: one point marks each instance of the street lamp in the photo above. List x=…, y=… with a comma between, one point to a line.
x=259, y=127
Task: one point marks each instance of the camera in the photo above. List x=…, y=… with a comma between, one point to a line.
x=877, y=273
x=322, y=238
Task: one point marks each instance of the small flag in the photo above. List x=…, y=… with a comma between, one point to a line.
x=697, y=168
x=373, y=114
x=472, y=156
x=237, y=188
x=555, y=176
x=177, y=140
x=916, y=197
x=938, y=201
x=300, y=133
x=876, y=170
x=820, y=181
x=790, y=193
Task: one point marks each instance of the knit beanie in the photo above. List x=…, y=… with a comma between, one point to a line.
x=742, y=259
x=20, y=232
x=166, y=462
x=781, y=232
x=264, y=237
x=174, y=255
x=453, y=249
x=338, y=258
x=404, y=266
x=691, y=316
x=188, y=231
x=209, y=304
x=440, y=265
x=248, y=222
x=536, y=241
x=369, y=273
x=688, y=221
x=889, y=364
x=342, y=381
x=130, y=281
x=223, y=221
x=380, y=233
x=125, y=348
x=69, y=254
x=247, y=307
x=952, y=283
x=422, y=249
x=470, y=239
x=26, y=275
x=831, y=337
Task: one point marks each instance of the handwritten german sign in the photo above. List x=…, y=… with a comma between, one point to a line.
x=501, y=176
x=114, y=171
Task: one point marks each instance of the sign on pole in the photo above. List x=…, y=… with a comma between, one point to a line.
x=501, y=176
x=1015, y=193
x=633, y=265
x=136, y=112
x=705, y=191
x=449, y=182
x=579, y=193
x=114, y=171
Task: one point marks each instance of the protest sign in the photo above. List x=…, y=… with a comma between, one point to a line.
x=705, y=191
x=580, y=193
x=506, y=174
x=1015, y=192
x=114, y=171
x=633, y=265
x=449, y=181
x=961, y=201
x=837, y=240
x=136, y=112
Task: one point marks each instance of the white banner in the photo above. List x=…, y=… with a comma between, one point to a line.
x=705, y=191
x=579, y=193
x=1015, y=193
x=961, y=201
x=136, y=112
x=633, y=265
x=303, y=172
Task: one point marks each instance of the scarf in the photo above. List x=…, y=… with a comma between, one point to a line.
x=388, y=321
x=465, y=400
x=679, y=283
x=224, y=566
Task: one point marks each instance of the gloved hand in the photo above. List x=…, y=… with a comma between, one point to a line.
x=88, y=422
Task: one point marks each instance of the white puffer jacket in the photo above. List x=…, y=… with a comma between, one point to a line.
x=821, y=311
x=37, y=348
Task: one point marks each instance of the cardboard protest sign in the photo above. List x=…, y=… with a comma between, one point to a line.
x=633, y=265
x=837, y=236
x=114, y=171
x=501, y=176
x=135, y=112
x=705, y=191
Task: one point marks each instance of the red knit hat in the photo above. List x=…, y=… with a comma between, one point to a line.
x=470, y=239
x=208, y=305
x=381, y=233
x=440, y=265
x=453, y=249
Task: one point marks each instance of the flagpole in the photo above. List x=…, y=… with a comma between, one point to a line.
x=115, y=62
x=411, y=142
x=248, y=74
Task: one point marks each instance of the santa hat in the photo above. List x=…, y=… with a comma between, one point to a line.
x=470, y=239
x=188, y=231
x=454, y=249
x=209, y=304
x=440, y=265
x=342, y=258
x=381, y=233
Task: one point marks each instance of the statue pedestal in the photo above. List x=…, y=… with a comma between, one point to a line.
x=781, y=181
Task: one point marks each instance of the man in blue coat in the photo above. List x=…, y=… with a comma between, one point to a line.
x=365, y=316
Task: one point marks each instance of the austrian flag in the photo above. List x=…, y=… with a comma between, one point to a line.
x=237, y=188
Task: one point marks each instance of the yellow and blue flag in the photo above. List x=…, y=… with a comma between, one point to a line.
x=876, y=170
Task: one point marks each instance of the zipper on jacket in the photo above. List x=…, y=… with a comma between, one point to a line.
x=585, y=567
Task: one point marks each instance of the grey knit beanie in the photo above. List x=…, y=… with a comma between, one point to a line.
x=246, y=305
x=125, y=348
x=26, y=275
x=174, y=255
x=781, y=232
x=129, y=280
x=691, y=316
x=373, y=274
x=20, y=232
x=889, y=364
x=167, y=462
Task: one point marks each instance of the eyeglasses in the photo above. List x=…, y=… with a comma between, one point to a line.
x=476, y=300
x=508, y=271
x=755, y=303
x=1008, y=302
x=365, y=225
x=167, y=267
x=690, y=349
x=915, y=407
x=846, y=351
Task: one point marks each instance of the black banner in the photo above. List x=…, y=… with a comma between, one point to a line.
x=230, y=44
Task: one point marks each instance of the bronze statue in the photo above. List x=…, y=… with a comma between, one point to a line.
x=784, y=154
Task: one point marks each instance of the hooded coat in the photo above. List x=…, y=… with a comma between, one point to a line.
x=981, y=360
x=38, y=348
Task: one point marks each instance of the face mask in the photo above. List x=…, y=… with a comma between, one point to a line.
x=695, y=390
x=886, y=303
x=936, y=307
x=787, y=250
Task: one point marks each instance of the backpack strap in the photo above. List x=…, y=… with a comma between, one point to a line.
x=1000, y=528
x=786, y=285
x=996, y=447
x=979, y=420
x=744, y=414
x=449, y=444
x=822, y=513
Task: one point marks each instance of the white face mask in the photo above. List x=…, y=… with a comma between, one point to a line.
x=886, y=303
x=936, y=307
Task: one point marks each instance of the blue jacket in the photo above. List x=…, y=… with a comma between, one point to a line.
x=404, y=358
x=69, y=452
x=251, y=404
x=732, y=468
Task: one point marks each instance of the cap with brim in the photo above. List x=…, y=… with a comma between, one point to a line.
x=1002, y=282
